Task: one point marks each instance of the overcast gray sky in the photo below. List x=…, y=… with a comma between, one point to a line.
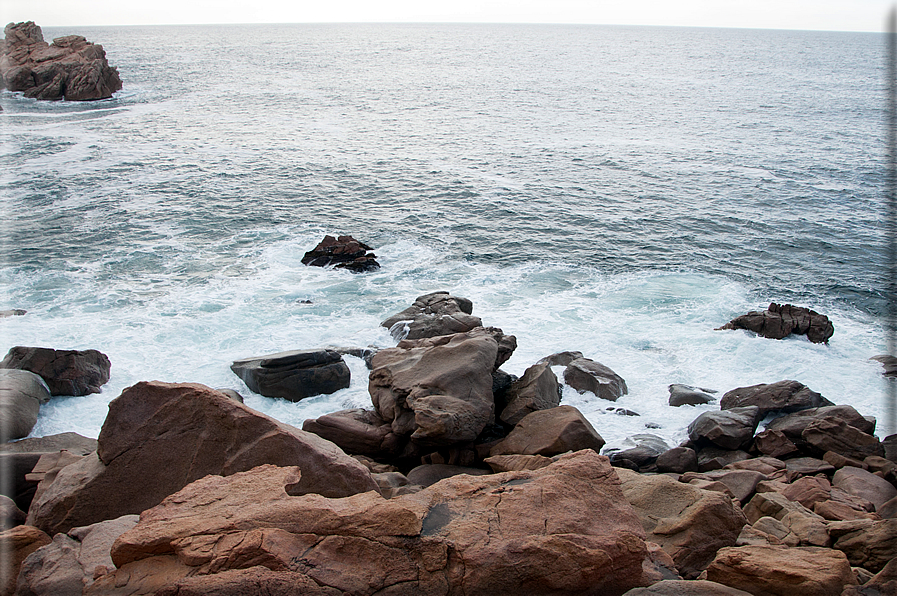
x=836, y=15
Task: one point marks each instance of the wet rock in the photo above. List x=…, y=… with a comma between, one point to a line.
x=15, y=312
x=729, y=429
x=774, y=443
x=783, y=396
x=70, y=68
x=356, y=431
x=584, y=375
x=781, y=320
x=344, y=252
x=189, y=431
x=537, y=389
x=550, y=432
x=677, y=460
x=21, y=395
x=561, y=358
x=793, y=425
x=681, y=395
x=66, y=372
x=432, y=315
x=643, y=455
x=428, y=474
x=780, y=570
x=294, y=375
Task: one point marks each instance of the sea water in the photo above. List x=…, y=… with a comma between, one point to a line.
x=620, y=191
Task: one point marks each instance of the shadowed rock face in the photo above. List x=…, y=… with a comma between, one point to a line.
x=344, y=252
x=70, y=68
x=781, y=320
x=294, y=375
x=66, y=372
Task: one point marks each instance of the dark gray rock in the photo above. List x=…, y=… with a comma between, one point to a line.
x=715, y=458
x=537, y=389
x=643, y=455
x=66, y=372
x=677, y=460
x=21, y=395
x=729, y=429
x=783, y=396
x=681, y=395
x=584, y=375
x=294, y=375
x=428, y=474
x=431, y=315
x=560, y=358
x=781, y=320
x=344, y=252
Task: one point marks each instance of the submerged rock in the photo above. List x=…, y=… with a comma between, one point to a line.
x=344, y=252
x=70, y=68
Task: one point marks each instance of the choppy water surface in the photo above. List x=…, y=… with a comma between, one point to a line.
x=618, y=191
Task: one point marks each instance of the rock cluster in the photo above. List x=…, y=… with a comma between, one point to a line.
x=460, y=479
x=781, y=320
x=344, y=252
x=70, y=68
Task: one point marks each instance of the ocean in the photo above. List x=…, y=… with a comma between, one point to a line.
x=620, y=191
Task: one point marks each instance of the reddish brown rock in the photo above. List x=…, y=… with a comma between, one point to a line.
x=871, y=545
x=783, y=396
x=831, y=434
x=15, y=545
x=66, y=372
x=431, y=315
x=550, y=432
x=809, y=490
x=72, y=68
x=249, y=582
x=515, y=463
x=774, y=444
x=864, y=484
x=537, y=389
x=679, y=587
x=792, y=425
x=584, y=375
x=883, y=583
x=159, y=437
x=729, y=429
x=563, y=529
x=689, y=523
x=781, y=320
x=356, y=431
x=782, y=571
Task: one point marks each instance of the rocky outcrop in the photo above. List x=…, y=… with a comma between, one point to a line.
x=584, y=375
x=21, y=395
x=344, y=252
x=66, y=372
x=563, y=529
x=433, y=314
x=781, y=320
x=70, y=68
x=15, y=545
x=159, y=437
x=537, y=389
x=294, y=375
x=550, y=432
x=784, y=396
x=730, y=429
x=357, y=431
x=436, y=391
x=681, y=395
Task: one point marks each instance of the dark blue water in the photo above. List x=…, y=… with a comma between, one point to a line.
x=617, y=190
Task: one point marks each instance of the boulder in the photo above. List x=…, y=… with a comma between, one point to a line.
x=860, y=483
x=774, y=443
x=516, y=463
x=71, y=562
x=66, y=372
x=828, y=433
x=870, y=546
x=644, y=455
x=793, y=425
x=681, y=587
x=159, y=437
x=294, y=375
x=883, y=583
x=356, y=431
x=584, y=375
x=715, y=458
x=71, y=442
x=681, y=395
x=784, y=396
x=437, y=391
x=537, y=389
x=677, y=460
x=561, y=358
x=10, y=514
x=781, y=320
x=808, y=466
x=690, y=524
x=563, y=529
x=431, y=315
x=21, y=395
x=741, y=483
x=15, y=545
x=550, y=432
x=71, y=68
x=344, y=252
x=729, y=429
x=782, y=571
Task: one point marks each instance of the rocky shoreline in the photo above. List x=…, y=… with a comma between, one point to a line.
x=460, y=479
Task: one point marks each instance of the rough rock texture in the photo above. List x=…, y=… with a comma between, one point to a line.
x=550, y=432
x=71, y=561
x=677, y=460
x=15, y=545
x=537, y=389
x=781, y=320
x=21, y=394
x=774, y=443
x=860, y=483
x=871, y=545
x=70, y=68
x=564, y=529
x=782, y=571
x=584, y=375
x=431, y=315
x=783, y=396
x=437, y=391
x=294, y=375
x=690, y=524
x=159, y=437
x=72, y=442
x=680, y=587
x=681, y=395
x=516, y=463
x=428, y=474
x=356, y=431
x=828, y=433
x=883, y=583
x=730, y=429
x=67, y=372
x=344, y=252
x=793, y=425
x=254, y=581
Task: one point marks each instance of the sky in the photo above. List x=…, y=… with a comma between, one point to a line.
x=831, y=15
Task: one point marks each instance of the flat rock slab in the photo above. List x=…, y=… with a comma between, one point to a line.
x=294, y=375
x=681, y=587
